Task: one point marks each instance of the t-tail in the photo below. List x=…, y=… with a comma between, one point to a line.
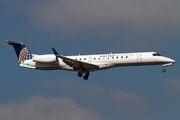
x=21, y=50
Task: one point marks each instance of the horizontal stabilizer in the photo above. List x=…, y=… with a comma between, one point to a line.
x=13, y=43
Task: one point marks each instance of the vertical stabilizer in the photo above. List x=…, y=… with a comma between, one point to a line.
x=21, y=50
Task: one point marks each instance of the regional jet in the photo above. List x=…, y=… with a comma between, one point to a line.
x=84, y=64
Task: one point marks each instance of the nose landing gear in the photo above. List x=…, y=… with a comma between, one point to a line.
x=163, y=70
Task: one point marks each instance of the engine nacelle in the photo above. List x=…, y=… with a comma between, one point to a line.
x=45, y=58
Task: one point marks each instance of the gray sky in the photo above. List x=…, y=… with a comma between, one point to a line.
x=90, y=27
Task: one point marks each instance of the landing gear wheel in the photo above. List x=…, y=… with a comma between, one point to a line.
x=163, y=70
x=79, y=74
x=85, y=77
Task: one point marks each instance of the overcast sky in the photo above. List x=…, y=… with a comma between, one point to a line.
x=90, y=27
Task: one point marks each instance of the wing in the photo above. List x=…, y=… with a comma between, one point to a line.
x=75, y=63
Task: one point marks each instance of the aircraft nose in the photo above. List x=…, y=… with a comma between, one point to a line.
x=167, y=60
x=171, y=60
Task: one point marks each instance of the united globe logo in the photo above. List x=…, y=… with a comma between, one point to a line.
x=25, y=54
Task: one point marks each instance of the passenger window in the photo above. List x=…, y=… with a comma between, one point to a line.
x=126, y=56
x=121, y=56
x=76, y=59
x=84, y=58
x=117, y=57
x=99, y=58
x=112, y=57
x=80, y=59
x=94, y=58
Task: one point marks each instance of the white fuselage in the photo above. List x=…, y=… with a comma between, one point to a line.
x=104, y=61
x=86, y=63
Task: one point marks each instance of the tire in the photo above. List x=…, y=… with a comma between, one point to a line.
x=85, y=77
x=79, y=74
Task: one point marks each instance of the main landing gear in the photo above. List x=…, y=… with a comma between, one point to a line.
x=79, y=74
x=85, y=76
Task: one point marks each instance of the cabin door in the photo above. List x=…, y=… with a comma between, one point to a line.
x=139, y=58
x=90, y=59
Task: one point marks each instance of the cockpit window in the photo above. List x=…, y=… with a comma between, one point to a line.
x=156, y=54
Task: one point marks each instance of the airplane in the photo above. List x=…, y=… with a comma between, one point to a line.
x=86, y=63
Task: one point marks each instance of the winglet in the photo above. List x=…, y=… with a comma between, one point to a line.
x=54, y=51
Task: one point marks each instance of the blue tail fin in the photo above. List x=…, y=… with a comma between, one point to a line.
x=21, y=50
